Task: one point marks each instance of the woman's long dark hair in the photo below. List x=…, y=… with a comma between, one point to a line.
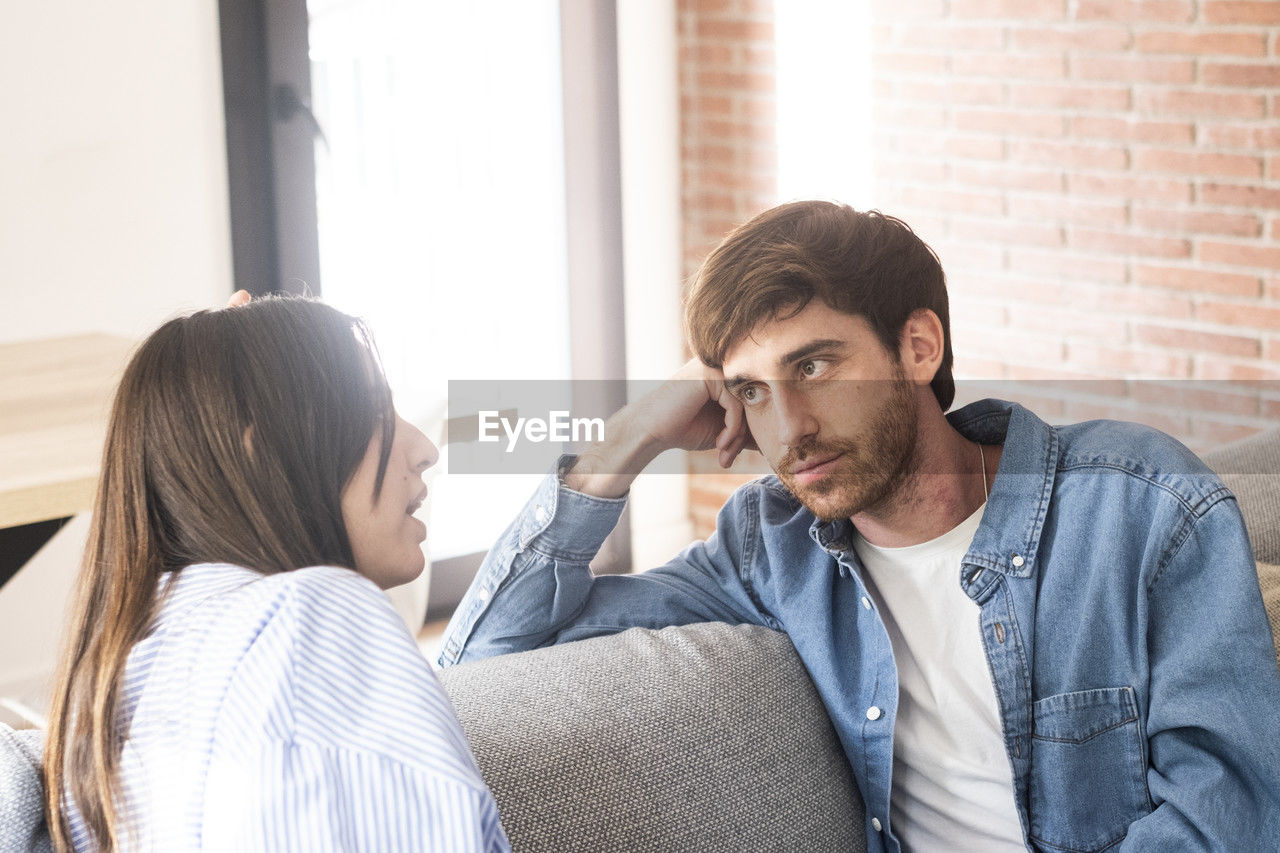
x=232, y=435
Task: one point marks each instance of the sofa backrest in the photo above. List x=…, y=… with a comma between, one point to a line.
x=1251, y=469
x=698, y=738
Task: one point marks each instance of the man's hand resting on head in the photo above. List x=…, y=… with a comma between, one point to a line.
x=690, y=411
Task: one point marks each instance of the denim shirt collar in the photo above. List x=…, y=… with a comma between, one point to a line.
x=1008, y=537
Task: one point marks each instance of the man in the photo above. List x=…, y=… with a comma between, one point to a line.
x=1026, y=636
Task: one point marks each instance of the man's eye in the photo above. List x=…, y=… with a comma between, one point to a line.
x=809, y=367
x=750, y=394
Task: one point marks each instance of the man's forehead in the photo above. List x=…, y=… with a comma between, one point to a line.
x=775, y=342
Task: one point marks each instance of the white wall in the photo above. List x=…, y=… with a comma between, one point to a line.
x=113, y=213
x=113, y=200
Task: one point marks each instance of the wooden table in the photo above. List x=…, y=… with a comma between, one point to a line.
x=55, y=395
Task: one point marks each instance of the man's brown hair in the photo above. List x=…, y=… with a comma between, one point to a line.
x=862, y=263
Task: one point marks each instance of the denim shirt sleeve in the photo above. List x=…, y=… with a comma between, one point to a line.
x=535, y=588
x=1213, y=725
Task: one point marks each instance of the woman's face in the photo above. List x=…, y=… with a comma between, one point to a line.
x=386, y=540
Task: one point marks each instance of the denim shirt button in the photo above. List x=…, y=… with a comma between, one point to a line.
x=875, y=823
x=873, y=713
x=866, y=603
x=1018, y=561
x=540, y=513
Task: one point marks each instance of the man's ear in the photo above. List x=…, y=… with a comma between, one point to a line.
x=921, y=346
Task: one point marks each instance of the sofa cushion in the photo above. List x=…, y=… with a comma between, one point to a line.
x=1269, y=581
x=1251, y=469
x=22, y=825
x=701, y=738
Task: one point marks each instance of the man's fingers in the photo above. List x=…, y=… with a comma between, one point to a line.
x=240, y=297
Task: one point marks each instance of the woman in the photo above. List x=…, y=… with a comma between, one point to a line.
x=233, y=677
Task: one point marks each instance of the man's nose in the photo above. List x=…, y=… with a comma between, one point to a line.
x=796, y=421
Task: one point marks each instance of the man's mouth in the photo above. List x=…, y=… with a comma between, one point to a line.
x=814, y=468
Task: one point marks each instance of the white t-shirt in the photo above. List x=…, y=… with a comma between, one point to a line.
x=952, y=781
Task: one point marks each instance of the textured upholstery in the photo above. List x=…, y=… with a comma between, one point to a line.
x=22, y=824
x=701, y=738
x=1269, y=580
x=1251, y=469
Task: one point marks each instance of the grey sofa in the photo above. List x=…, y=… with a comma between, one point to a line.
x=707, y=737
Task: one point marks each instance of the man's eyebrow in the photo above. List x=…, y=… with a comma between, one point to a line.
x=800, y=353
x=812, y=348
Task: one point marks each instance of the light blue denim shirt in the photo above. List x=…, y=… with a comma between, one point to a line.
x=1120, y=613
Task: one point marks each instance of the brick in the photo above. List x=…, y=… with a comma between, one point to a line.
x=1266, y=13
x=1034, y=348
x=1240, y=136
x=1239, y=315
x=1200, y=42
x=909, y=62
x=1123, y=69
x=721, y=105
x=911, y=170
x=759, y=107
x=1273, y=354
x=1197, y=280
x=1071, y=38
x=1240, y=254
x=1069, y=324
x=1200, y=104
x=1024, y=66
x=974, y=147
x=1064, y=266
x=954, y=200
x=709, y=53
x=969, y=256
x=1006, y=232
x=1135, y=11
x=1038, y=10
x=1241, y=195
x=952, y=36
x=974, y=92
x=1196, y=163
x=1070, y=156
x=1135, y=301
x=1197, y=222
x=1038, y=180
x=734, y=28
x=1003, y=122
x=1273, y=289
x=1122, y=243
x=1208, y=367
x=1115, y=361
x=886, y=115
x=893, y=10
x=1023, y=289
x=1236, y=74
x=736, y=81
x=1070, y=97
x=1195, y=398
x=1058, y=208
x=1273, y=168
x=1132, y=130
x=1195, y=340
x=1275, y=229
x=1148, y=189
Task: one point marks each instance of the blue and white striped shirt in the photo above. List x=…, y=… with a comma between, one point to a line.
x=291, y=712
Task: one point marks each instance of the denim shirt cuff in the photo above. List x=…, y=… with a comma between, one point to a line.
x=566, y=524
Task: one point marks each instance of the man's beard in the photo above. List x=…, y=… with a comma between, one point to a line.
x=869, y=471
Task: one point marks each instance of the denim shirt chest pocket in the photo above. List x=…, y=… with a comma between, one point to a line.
x=1088, y=773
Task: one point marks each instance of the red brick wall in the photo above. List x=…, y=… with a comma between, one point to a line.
x=1101, y=179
